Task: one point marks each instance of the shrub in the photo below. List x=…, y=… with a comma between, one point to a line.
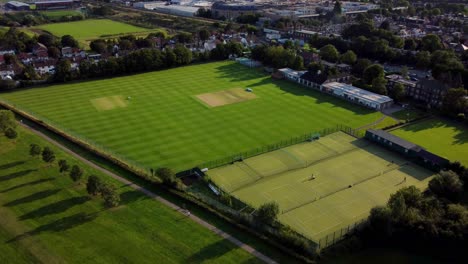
x=11, y=133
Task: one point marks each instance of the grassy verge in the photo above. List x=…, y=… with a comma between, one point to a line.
x=240, y=234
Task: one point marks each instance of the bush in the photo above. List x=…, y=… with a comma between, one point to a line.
x=94, y=185
x=76, y=173
x=11, y=133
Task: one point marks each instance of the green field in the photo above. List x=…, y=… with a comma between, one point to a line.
x=318, y=207
x=46, y=218
x=89, y=29
x=445, y=138
x=164, y=124
x=60, y=13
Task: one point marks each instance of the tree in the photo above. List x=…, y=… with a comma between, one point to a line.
x=184, y=37
x=267, y=213
x=11, y=133
x=53, y=52
x=48, y=155
x=203, y=34
x=379, y=85
x=63, y=165
x=423, y=59
x=46, y=39
x=7, y=120
x=360, y=66
x=166, y=175
x=34, y=150
x=455, y=101
x=94, y=185
x=447, y=184
x=398, y=92
x=98, y=46
x=69, y=41
x=110, y=196
x=380, y=220
x=183, y=55
x=63, y=71
x=349, y=57
x=372, y=72
x=431, y=43
x=329, y=53
x=76, y=173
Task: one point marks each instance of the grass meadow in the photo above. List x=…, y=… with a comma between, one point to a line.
x=318, y=207
x=164, y=124
x=446, y=138
x=89, y=29
x=46, y=218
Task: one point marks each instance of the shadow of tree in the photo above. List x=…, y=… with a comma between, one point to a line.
x=11, y=164
x=27, y=184
x=60, y=225
x=210, y=252
x=15, y=174
x=132, y=196
x=33, y=197
x=55, y=208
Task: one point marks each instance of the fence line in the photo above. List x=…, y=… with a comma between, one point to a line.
x=281, y=144
x=339, y=235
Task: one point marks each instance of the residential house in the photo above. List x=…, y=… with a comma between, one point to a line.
x=45, y=67
x=395, y=78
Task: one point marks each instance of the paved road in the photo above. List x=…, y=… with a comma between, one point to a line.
x=200, y=221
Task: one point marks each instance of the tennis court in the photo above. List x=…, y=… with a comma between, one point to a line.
x=311, y=181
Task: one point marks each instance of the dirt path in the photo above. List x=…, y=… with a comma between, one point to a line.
x=196, y=219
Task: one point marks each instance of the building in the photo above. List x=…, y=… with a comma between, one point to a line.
x=18, y=6
x=428, y=91
x=357, y=95
x=291, y=74
x=408, y=149
x=55, y=4
x=395, y=78
x=231, y=10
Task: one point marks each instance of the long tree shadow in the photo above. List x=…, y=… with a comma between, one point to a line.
x=55, y=208
x=27, y=184
x=11, y=164
x=60, y=225
x=33, y=197
x=132, y=196
x=211, y=252
x=15, y=175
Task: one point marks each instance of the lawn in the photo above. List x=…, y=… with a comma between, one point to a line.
x=46, y=218
x=408, y=114
x=310, y=182
x=164, y=124
x=60, y=13
x=86, y=30
x=448, y=139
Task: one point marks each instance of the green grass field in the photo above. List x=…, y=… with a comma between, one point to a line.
x=446, y=138
x=60, y=13
x=46, y=218
x=318, y=207
x=165, y=125
x=86, y=30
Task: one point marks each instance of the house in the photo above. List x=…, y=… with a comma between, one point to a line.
x=40, y=51
x=6, y=71
x=395, y=78
x=2, y=60
x=25, y=58
x=429, y=91
x=6, y=51
x=408, y=149
x=67, y=52
x=309, y=57
x=45, y=67
x=357, y=95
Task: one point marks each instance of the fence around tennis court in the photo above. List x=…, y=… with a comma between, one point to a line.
x=281, y=144
x=337, y=236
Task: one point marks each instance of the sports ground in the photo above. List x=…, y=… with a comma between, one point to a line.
x=89, y=29
x=446, y=138
x=310, y=181
x=164, y=124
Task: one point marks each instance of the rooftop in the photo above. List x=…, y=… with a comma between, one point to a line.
x=17, y=3
x=358, y=92
x=394, y=139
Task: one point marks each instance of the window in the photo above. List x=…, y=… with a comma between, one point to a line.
x=406, y=150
